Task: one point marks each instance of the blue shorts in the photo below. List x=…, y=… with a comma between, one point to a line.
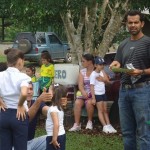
x=100, y=98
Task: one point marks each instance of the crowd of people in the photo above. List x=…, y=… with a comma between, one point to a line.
x=19, y=109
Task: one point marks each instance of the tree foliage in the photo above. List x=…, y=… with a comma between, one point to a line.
x=90, y=25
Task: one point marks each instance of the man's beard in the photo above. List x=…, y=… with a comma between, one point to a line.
x=134, y=32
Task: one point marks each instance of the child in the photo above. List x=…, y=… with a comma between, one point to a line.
x=30, y=71
x=56, y=137
x=46, y=71
x=98, y=79
x=13, y=92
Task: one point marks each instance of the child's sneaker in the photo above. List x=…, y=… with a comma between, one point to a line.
x=112, y=128
x=89, y=125
x=75, y=127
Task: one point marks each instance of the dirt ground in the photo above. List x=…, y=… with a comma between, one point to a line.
x=3, y=47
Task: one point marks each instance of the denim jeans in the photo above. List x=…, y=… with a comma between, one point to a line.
x=134, y=109
x=38, y=143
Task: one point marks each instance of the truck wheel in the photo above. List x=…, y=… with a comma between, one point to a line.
x=68, y=58
x=114, y=114
x=24, y=45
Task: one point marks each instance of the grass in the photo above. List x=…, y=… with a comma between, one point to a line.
x=86, y=140
x=2, y=58
x=83, y=141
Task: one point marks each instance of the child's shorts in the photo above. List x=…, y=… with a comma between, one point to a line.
x=100, y=98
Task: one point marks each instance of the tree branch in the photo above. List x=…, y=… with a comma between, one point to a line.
x=101, y=15
x=81, y=21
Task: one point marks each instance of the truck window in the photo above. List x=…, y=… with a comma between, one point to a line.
x=53, y=39
x=41, y=38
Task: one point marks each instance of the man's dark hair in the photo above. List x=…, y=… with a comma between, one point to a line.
x=134, y=13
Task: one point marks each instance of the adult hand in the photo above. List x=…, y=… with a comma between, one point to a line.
x=55, y=144
x=135, y=72
x=21, y=113
x=46, y=97
x=115, y=64
x=2, y=105
x=85, y=95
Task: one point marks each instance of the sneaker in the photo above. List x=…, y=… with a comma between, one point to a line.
x=112, y=128
x=89, y=125
x=75, y=127
x=106, y=129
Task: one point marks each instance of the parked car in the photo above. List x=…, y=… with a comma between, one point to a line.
x=32, y=45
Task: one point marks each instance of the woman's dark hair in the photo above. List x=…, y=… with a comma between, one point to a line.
x=32, y=68
x=88, y=57
x=59, y=92
x=3, y=66
x=46, y=55
x=13, y=55
x=134, y=13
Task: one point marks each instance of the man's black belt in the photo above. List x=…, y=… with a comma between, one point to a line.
x=136, y=85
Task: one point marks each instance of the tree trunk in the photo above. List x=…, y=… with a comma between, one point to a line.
x=74, y=37
x=117, y=15
x=110, y=32
x=90, y=21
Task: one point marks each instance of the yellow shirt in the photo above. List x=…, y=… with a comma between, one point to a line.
x=47, y=71
x=33, y=78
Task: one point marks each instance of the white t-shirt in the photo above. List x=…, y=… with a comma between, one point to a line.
x=49, y=122
x=11, y=81
x=99, y=87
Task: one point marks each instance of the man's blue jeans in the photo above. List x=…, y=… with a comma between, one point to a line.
x=134, y=109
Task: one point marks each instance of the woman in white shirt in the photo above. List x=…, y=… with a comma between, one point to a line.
x=13, y=92
x=56, y=137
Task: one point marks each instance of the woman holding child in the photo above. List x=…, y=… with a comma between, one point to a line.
x=85, y=98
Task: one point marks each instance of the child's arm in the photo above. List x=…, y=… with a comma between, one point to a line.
x=21, y=112
x=55, y=120
x=2, y=105
x=104, y=79
x=52, y=74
